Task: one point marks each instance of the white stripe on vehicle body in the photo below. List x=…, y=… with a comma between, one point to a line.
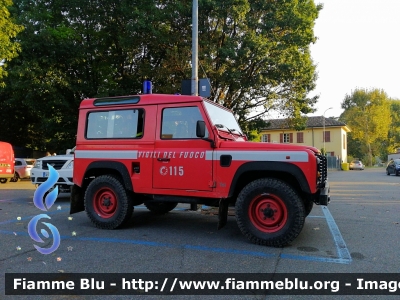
x=292, y=156
x=289, y=156
x=107, y=154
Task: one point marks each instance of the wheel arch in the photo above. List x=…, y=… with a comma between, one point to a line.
x=289, y=173
x=115, y=168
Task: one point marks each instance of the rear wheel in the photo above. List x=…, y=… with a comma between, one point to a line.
x=3, y=180
x=160, y=207
x=15, y=178
x=269, y=212
x=107, y=203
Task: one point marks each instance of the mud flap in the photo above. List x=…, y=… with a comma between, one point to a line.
x=77, y=204
x=223, y=212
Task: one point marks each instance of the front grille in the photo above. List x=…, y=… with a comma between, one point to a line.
x=323, y=170
x=43, y=179
x=56, y=164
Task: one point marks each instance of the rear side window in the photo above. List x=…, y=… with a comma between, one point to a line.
x=115, y=124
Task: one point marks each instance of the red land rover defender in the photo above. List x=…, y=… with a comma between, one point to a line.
x=162, y=150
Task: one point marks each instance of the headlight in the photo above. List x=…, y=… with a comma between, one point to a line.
x=38, y=164
x=70, y=165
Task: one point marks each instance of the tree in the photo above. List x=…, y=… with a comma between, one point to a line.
x=9, y=48
x=393, y=141
x=256, y=54
x=367, y=113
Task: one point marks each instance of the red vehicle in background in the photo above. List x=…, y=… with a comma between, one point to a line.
x=6, y=162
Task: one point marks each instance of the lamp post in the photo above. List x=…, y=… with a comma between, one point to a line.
x=195, y=46
x=323, y=133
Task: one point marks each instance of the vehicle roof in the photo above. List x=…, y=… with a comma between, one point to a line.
x=5, y=144
x=55, y=157
x=145, y=99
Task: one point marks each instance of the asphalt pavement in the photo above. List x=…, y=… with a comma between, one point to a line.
x=357, y=233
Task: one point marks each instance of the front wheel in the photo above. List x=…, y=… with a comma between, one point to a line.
x=3, y=180
x=270, y=212
x=308, y=206
x=107, y=203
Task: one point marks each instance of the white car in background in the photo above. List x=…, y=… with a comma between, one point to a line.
x=22, y=168
x=63, y=164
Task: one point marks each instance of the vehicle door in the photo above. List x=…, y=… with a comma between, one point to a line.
x=181, y=160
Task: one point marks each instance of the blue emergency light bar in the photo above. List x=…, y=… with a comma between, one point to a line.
x=147, y=87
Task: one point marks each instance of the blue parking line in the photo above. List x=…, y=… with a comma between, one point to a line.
x=341, y=247
x=317, y=258
x=343, y=253
x=30, y=217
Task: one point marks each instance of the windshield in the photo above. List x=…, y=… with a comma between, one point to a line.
x=223, y=117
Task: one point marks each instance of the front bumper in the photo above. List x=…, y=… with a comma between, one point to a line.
x=324, y=198
x=64, y=182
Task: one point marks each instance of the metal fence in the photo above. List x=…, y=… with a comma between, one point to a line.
x=334, y=162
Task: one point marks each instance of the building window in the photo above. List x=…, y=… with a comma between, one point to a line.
x=300, y=137
x=266, y=138
x=344, y=141
x=327, y=136
x=286, y=138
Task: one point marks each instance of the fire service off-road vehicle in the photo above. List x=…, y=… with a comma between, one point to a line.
x=162, y=150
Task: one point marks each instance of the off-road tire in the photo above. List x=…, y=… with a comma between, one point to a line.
x=308, y=206
x=270, y=212
x=107, y=203
x=160, y=207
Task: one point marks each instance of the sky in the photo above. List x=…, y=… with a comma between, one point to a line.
x=358, y=46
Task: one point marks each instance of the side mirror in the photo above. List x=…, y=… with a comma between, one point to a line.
x=68, y=151
x=200, y=129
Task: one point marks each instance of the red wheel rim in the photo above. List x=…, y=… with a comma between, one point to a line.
x=105, y=203
x=268, y=213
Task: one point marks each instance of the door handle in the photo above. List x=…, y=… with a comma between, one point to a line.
x=163, y=159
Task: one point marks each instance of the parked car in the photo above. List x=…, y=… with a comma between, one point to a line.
x=356, y=165
x=393, y=167
x=63, y=164
x=22, y=168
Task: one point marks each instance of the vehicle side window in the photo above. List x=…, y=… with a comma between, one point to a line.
x=18, y=163
x=180, y=122
x=115, y=124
